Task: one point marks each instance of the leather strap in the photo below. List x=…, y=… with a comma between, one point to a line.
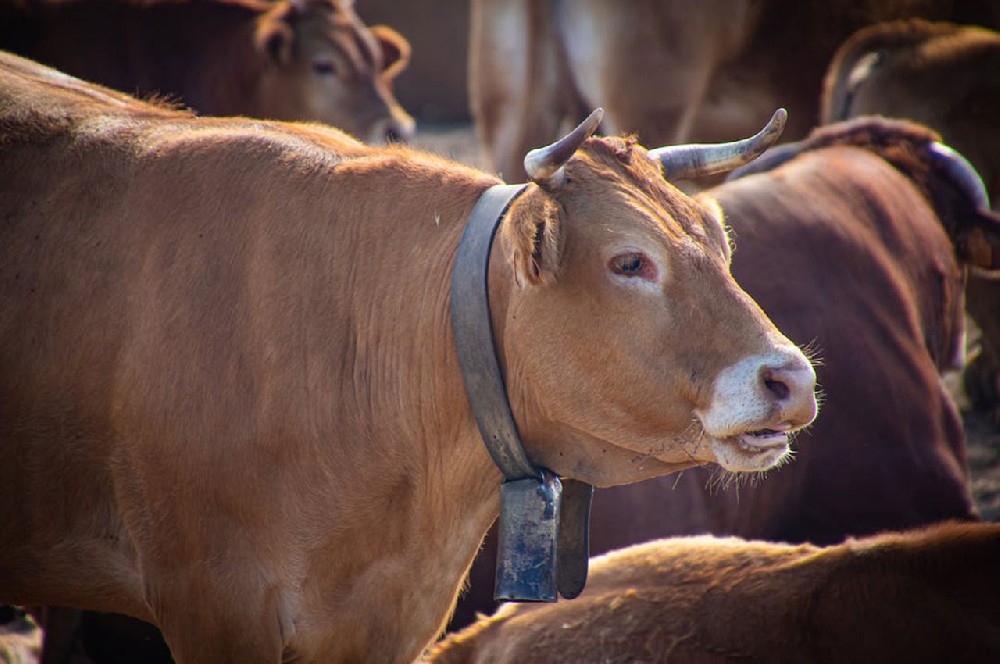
x=544, y=531
x=472, y=327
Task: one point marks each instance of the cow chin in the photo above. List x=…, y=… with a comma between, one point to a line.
x=747, y=453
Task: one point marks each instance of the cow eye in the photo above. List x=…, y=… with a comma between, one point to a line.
x=323, y=67
x=633, y=264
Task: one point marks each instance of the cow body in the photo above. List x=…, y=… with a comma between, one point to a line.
x=859, y=217
x=946, y=77
x=922, y=596
x=229, y=380
x=310, y=60
x=671, y=71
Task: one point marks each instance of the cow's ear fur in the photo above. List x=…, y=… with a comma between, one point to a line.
x=978, y=241
x=533, y=240
x=275, y=40
x=395, y=50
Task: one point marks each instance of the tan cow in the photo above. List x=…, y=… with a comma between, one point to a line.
x=929, y=595
x=865, y=217
x=284, y=60
x=671, y=70
x=947, y=77
x=229, y=381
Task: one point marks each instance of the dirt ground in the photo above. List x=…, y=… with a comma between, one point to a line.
x=983, y=436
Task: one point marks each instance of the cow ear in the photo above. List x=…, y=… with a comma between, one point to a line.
x=533, y=240
x=395, y=50
x=978, y=241
x=275, y=40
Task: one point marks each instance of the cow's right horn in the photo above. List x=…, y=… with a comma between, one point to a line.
x=544, y=165
x=681, y=162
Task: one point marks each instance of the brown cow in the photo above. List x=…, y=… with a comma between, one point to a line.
x=930, y=595
x=229, y=381
x=671, y=70
x=845, y=247
x=947, y=77
x=286, y=60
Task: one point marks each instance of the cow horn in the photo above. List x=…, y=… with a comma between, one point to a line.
x=770, y=160
x=694, y=160
x=962, y=173
x=544, y=165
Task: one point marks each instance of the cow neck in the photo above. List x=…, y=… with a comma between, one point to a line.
x=543, y=531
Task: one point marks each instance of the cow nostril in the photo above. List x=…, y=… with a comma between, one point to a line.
x=392, y=135
x=776, y=387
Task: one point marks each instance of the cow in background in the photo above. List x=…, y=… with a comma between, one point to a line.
x=850, y=246
x=927, y=596
x=286, y=60
x=671, y=70
x=947, y=77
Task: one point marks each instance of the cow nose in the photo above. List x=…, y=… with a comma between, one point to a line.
x=398, y=130
x=792, y=386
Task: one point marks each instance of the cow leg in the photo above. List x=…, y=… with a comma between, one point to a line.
x=515, y=82
x=204, y=623
x=982, y=375
x=62, y=626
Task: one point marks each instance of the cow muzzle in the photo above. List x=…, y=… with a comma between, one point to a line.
x=398, y=128
x=757, y=404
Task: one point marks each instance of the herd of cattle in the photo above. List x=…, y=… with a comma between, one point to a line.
x=230, y=401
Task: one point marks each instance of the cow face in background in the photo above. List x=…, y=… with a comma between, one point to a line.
x=325, y=65
x=623, y=285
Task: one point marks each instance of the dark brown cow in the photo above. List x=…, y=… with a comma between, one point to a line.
x=285, y=60
x=845, y=246
x=671, y=70
x=925, y=596
x=947, y=77
x=230, y=399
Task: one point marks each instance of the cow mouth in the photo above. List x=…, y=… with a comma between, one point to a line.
x=762, y=440
x=753, y=451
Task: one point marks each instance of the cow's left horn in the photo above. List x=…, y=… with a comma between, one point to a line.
x=694, y=160
x=544, y=165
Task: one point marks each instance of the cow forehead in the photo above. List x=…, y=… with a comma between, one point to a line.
x=613, y=183
x=337, y=31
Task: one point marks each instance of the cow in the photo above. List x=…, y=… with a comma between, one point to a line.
x=947, y=77
x=671, y=70
x=284, y=60
x=926, y=595
x=868, y=214
x=229, y=381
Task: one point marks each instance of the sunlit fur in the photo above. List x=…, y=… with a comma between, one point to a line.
x=927, y=595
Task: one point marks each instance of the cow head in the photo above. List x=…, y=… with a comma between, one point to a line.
x=620, y=287
x=323, y=64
